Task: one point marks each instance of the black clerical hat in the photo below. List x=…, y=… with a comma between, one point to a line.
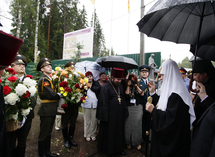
x=203, y=66
x=43, y=62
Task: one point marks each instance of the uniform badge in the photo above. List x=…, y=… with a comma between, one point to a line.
x=45, y=84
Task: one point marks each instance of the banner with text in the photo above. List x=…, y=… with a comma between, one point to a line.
x=83, y=37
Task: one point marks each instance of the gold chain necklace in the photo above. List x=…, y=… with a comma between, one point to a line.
x=119, y=99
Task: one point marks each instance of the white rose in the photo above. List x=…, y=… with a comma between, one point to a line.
x=70, y=75
x=76, y=73
x=25, y=112
x=32, y=90
x=54, y=77
x=13, y=116
x=11, y=98
x=65, y=79
x=21, y=89
x=29, y=82
x=85, y=87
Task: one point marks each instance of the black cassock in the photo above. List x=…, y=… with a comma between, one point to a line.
x=112, y=115
x=203, y=137
x=4, y=145
x=171, y=129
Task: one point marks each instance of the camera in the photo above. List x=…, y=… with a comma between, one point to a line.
x=133, y=82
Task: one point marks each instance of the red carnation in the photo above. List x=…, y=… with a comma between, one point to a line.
x=26, y=95
x=68, y=89
x=30, y=76
x=64, y=106
x=77, y=86
x=0, y=80
x=12, y=79
x=82, y=98
x=10, y=70
x=6, y=90
x=63, y=84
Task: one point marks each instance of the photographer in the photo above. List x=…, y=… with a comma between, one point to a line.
x=133, y=123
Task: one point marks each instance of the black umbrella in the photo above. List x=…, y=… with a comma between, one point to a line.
x=118, y=62
x=100, y=60
x=180, y=21
x=206, y=49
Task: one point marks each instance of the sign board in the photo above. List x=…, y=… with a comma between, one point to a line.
x=83, y=37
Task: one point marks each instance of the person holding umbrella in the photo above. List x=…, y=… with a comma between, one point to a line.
x=203, y=136
x=203, y=72
x=172, y=114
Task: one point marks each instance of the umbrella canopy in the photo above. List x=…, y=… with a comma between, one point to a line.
x=100, y=60
x=180, y=21
x=206, y=49
x=94, y=67
x=118, y=62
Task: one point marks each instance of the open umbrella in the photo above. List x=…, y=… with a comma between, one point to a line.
x=118, y=62
x=94, y=67
x=205, y=50
x=180, y=21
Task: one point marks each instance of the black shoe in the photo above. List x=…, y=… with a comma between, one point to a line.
x=67, y=144
x=123, y=153
x=49, y=154
x=72, y=142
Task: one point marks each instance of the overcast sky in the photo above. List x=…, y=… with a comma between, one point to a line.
x=119, y=27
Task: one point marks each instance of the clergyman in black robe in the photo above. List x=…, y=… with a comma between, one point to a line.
x=203, y=137
x=173, y=115
x=112, y=111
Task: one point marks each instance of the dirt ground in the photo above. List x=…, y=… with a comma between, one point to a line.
x=84, y=149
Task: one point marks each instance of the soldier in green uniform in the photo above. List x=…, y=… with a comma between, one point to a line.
x=70, y=116
x=48, y=109
x=20, y=135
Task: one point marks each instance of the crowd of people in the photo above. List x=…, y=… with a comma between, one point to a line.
x=122, y=110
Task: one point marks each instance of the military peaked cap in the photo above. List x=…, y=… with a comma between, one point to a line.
x=144, y=68
x=43, y=62
x=20, y=59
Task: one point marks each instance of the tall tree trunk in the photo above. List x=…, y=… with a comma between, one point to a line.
x=19, y=21
x=36, y=34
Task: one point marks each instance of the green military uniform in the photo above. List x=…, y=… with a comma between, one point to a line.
x=47, y=111
x=70, y=116
x=19, y=136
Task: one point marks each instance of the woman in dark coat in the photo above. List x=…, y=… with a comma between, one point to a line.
x=173, y=115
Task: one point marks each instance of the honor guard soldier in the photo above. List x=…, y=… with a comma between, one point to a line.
x=20, y=135
x=48, y=109
x=70, y=116
x=9, y=46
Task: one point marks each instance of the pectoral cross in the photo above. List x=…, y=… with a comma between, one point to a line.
x=119, y=99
